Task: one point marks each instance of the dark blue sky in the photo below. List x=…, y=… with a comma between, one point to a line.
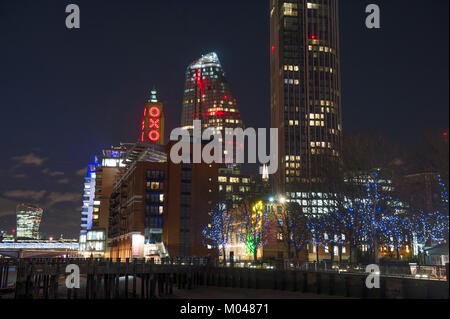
x=65, y=94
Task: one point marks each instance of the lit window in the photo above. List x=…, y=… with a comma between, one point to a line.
x=313, y=5
x=234, y=179
x=290, y=9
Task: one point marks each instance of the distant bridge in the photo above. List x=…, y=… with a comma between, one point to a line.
x=38, y=249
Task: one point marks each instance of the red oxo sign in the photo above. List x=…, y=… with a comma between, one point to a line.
x=153, y=124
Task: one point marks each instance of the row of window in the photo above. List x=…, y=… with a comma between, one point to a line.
x=224, y=179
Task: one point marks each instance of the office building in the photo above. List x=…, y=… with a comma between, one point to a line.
x=159, y=208
x=87, y=210
x=208, y=98
x=28, y=221
x=305, y=95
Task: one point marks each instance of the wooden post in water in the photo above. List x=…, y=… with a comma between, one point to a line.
x=117, y=282
x=23, y=278
x=2, y=269
x=126, y=277
x=56, y=282
x=6, y=269
x=134, y=278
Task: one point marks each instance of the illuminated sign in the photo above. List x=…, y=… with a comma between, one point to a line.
x=153, y=123
x=137, y=242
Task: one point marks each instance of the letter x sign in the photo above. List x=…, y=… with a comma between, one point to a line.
x=154, y=123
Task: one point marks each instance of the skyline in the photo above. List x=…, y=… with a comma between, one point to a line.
x=61, y=89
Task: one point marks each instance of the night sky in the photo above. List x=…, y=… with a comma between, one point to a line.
x=65, y=94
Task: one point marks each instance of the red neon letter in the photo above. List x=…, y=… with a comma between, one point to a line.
x=153, y=136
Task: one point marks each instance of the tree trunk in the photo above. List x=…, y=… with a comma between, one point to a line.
x=353, y=254
x=317, y=253
x=224, y=253
x=397, y=251
x=375, y=251
x=332, y=254
x=288, y=250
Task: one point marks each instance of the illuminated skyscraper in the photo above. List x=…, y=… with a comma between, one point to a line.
x=305, y=93
x=208, y=97
x=28, y=221
x=89, y=201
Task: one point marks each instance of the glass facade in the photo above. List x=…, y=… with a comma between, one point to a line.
x=87, y=210
x=28, y=221
x=93, y=242
x=154, y=206
x=305, y=95
x=208, y=97
x=185, y=209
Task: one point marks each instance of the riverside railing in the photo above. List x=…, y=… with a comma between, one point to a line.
x=138, y=278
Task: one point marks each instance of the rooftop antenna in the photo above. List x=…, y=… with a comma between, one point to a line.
x=153, y=97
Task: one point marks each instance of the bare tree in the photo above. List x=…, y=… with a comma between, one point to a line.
x=220, y=228
x=254, y=224
x=292, y=224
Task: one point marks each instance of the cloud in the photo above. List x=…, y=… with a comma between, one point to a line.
x=29, y=159
x=20, y=176
x=52, y=173
x=7, y=212
x=81, y=172
x=25, y=195
x=55, y=197
x=63, y=181
x=7, y=207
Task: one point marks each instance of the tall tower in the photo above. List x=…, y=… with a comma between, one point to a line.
x=88, y=213
x=153, y=121
x=305, y=92
x=28, y=221
x=208, y=97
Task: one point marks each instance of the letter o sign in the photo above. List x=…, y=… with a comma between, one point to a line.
x=154, y=111
x=153, y=136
